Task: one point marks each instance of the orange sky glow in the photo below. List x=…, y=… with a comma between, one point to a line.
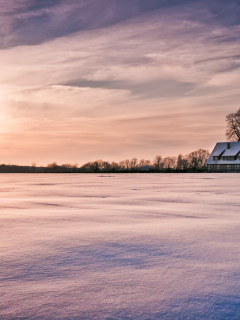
x=157, y=82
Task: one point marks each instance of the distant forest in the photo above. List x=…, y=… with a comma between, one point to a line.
x=192, y=162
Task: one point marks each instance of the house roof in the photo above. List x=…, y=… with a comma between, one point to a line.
x=234, y=149
x=221, y=148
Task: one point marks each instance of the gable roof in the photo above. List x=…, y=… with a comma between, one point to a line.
x=219, y=149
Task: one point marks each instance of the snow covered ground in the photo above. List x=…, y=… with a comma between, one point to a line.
x=120, y=246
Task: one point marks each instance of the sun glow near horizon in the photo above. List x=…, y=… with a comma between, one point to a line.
x=158, y=82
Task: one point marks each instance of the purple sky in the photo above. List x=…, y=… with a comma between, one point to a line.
x=113, y=79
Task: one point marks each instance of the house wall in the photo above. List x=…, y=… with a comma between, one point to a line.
x=223, y=167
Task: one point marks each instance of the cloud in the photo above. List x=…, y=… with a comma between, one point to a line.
x=57, y=102
x=30, y=22
x=162, y=79
x=136, y=56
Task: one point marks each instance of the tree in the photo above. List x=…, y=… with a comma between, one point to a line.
x=157, y=163
x=95, y=166
x=106, y=166
x=68, y=167
x=170, y=163
x=87, y=167
x=203, y=156
x=52, y=165
x=144, y=162
x=125, y=164
x=133, y=163
x=192, y=160
x=233, y=126
x=121, y=165
x=115, y=166
x=197, y=159
x=182, y=162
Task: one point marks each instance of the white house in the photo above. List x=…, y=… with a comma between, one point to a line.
x=225, y=157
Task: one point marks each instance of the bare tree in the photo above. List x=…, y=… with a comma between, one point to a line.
x=95, y=165
x=202, y=156
x=182, y=162
x=106, y=166
x=115, y=166
x=157, y=163
x=192, y=160
x=87, y=167
x=121, y=165
x=233, y=126
x=52, y=165
x=197, y=159
x=133, y=163
x=125, y=164
x=170, y=162
x=144, y=162
x=68, y=167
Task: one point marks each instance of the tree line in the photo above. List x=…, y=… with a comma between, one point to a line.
x=192, y=162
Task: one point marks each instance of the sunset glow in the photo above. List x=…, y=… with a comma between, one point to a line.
x=84, y=80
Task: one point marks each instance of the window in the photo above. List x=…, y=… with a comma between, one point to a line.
x=229, y=158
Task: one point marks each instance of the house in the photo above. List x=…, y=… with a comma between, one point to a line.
x=225, y=157
x=145, y=168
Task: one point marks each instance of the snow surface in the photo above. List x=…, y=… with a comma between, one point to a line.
x=120, y=246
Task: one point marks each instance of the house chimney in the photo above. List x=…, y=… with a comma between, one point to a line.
x=228, y=145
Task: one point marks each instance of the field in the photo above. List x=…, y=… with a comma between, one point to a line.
x=120, y=246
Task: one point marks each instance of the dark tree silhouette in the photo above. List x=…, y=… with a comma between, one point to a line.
x=158, y=163
x=233, y=126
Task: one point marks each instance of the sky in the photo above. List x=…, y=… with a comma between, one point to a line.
x=83, y=80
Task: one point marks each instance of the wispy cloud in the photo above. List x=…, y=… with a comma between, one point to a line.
x=32, y=21
x=29, y=22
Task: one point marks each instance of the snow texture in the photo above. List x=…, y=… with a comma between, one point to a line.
x=120, y=246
